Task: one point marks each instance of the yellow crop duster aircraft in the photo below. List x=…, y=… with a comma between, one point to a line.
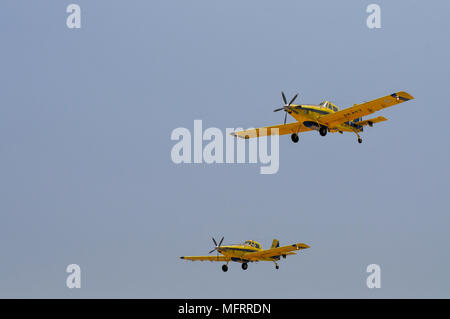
x=326, y=117
x=249, y=251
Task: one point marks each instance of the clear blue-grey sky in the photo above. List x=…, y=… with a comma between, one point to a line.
x=86, y=175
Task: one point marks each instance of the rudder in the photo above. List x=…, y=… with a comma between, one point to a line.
x=275, y=243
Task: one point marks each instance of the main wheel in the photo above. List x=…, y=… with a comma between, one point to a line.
x=323, y=130
x=294, y=138
x=225, y=268
x=244, y=266
x=277, y=267
x=359, y=140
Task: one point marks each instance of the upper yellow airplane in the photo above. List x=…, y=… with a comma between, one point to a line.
x=326, y=117
x=250, y=251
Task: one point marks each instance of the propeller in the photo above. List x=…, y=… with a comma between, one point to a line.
x=287, y=106
x=216, y=246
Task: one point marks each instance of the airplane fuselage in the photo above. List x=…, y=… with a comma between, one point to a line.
x=236, y=252
x=308, y=116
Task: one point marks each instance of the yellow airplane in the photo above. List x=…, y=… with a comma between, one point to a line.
x=249, y=251
x=326, y=117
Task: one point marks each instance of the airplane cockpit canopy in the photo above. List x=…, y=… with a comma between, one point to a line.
x=329, y=105
x=252, y=243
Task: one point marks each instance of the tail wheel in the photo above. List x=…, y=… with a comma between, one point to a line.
x=323, y=130
x=244, y=266
x=294, y=138
x=225, y=268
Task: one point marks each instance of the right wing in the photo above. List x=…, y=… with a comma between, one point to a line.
x=207, y=258
x=283, y=129
x=272, y=252
x=359, y=110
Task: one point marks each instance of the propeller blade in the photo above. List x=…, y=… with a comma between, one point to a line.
x=285, y=117
x=280, y=109
x=221, y=241
x=293, y=99
x=215, y=244
x=212, y=250
x=284, y=97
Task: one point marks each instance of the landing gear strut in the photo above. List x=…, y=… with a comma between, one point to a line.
x=359, y=138
x=244, y=266
x=224, y=268
x=276, y=265
x=294, y=137
x=323, y=130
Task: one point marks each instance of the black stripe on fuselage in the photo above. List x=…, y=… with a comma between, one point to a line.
x=313, y=110
x=237, y=248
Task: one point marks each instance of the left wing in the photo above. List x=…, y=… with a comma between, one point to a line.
x=285, y=250
x=283, y=129
x=334, y=119
x=206, y=258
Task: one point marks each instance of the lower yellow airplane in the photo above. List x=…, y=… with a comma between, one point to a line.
x=326, y=117
x=249, y=251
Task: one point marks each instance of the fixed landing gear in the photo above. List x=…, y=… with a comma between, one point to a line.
x=359, y=138
x=323, y=130
x=294, y=137
x=276, y=265
x=225, y=268
x=244, y=266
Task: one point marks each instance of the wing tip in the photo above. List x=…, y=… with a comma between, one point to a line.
x=403, y=95
x=237, y=135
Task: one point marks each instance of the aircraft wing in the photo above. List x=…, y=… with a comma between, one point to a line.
x=363, y=109
x=283, y=129
x=272, y=252
x=206, y=258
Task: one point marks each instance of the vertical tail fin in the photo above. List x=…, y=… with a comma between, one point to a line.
x=275, y=243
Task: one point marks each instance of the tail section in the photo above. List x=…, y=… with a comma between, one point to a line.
x=275, y=243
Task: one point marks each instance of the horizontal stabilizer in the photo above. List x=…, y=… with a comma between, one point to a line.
x=372, y=121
